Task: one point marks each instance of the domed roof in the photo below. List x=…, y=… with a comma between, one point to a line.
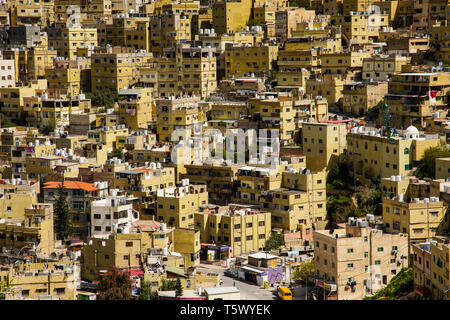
x=412, y=130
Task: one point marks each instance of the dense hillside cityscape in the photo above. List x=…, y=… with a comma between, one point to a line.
x=224, y=150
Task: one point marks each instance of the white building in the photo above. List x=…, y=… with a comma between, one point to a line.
x=7, y=73
x=114, y=213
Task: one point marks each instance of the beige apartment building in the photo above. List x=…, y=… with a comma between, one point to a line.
x=241, y=228
x=187, y=243
x=300, y=203
x=373, y=156
x=409, y=97
x=136, y=108
x=180, y=114
x=326, y=86
x=440, y=283
x=382, y=67
x=219, y=179
x=343, y=64
x=359, y=97
x=442, y=168
x=114, y=68
x=176, y=206
x=66, y=41
x=323, y=143
x=33, y=281
x=187, y=70
x=431, y=275
x=421, y=219
x=254, y=181
x=357, y=260
x=123, y=251
x=144, y=182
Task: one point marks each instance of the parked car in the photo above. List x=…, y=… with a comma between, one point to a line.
x=231, y=273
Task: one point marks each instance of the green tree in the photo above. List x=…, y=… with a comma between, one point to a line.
x=427, y=168
x=369, y=201
x=6, y=121
x=62, y=224
x=146, y=291
x=118, y=153
x=275, y=241
x=339, y=177
x=178, y=288
x=115, y=285
x=403, y=282
x=339, y=208
x=46, y=130
x=103, y=98
x=5, y=287
x=272, y=75
x=374, y=112
x=303, y=271
x=168, y=285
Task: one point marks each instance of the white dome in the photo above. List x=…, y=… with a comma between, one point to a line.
x=412, y=130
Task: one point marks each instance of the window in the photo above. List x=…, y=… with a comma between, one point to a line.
x=377, y=262
x=126, y=257
x=350, y=250
x=350, y=265
x=380, y=249
x=129, y=244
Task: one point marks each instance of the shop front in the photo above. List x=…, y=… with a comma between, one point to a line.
x=212, y=252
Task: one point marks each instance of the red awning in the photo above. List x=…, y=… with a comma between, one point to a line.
x=134, y=272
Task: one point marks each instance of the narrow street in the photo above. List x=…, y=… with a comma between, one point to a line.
x=249, y=290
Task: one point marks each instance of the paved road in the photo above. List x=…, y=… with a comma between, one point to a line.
x=249, y=290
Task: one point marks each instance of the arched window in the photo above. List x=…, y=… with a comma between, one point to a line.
x=406, y=151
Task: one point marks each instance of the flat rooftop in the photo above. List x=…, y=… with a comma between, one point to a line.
x=221, y=290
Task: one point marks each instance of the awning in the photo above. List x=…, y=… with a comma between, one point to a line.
x=134, y=272
x=253, y=270
x=175, y=270
x=77, y=244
